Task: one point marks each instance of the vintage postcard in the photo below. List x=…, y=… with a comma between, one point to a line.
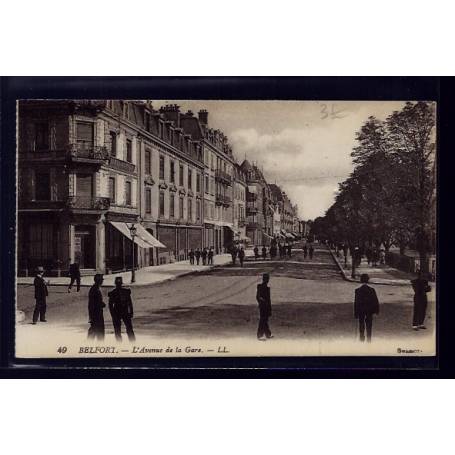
x=215, y=228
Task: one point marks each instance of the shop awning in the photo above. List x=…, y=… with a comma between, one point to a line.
x=267, y=235
x=147, y=237
x=245, y=238
x=283, y=231
x=289, y=236
x=142, y=238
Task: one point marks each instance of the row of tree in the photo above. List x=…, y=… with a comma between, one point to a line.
x=389, y=198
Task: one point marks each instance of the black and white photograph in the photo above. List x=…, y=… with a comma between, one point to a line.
x=218, y=228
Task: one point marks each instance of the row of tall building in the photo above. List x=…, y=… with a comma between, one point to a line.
x=99, y=178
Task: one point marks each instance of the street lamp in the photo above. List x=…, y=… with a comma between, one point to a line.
x=133, y=230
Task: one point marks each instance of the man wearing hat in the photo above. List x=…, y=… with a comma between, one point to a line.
x=121, y=308
x=366, y=304
x=40, y=296
x=265, y=308
x=95, y=309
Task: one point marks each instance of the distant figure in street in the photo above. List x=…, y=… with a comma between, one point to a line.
x=289, y=250
x=305, y=251
x=420, y=287
x=374, y=257
x=382, y=256
x=233, y=254
x=210, y=256
x=75, y=276
x=191, y=256
x=241, y=256
x=204, y=256
x=265, y=308
x=197, y=254
x=95, y=309
x=41, y=293
x=345, y=253
x=368, y=254
x=264, y=253
x=121, y=308
x=311, y=251
x=272, y=252
x=256, y=253
x=366, y=304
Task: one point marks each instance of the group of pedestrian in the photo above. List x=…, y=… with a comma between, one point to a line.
x=308, y=250
x=366, y=303
x=205, y=254
x=281, y=249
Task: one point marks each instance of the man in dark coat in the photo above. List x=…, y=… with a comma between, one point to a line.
x=289, y=250
x=95, y=309
x=264, y=252
x=256, y=253
x=265, y=308
x=41, y=293
x=191, y=256
x=233, y=254
x=305, y=251
x=121, y=309
x=210, y=256
x=75, y=276
x=241, y=256
x=204, y=256
x=197, y=254
x=420, y=287
x=366, y=304
x=311, y=251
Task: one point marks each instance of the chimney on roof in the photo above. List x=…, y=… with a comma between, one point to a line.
x=189, y=113
x=203, y=116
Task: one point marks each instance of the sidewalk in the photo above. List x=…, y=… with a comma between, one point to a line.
x=382, y=274
x=145, y=276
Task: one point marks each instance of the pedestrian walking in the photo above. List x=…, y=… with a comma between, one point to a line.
x=121, y=309
x=366, y=304
x=191, y=256
x=421, y=287
x=305, y=251
x=95, y=309
x=241, y=256
x=210, y=256
x=289, y=250
x=382, y=256
x=264, y=253
x=265, y=308
x=197, y=255
x=256, y=252
x=41, y=294
x=368, y=254
x=311, y=251
x=75, y=276
x=374, y=257
x=204, y=256
x=272, y=252
x=233, y=254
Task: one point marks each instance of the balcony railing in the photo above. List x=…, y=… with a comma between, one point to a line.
x=251, y=208
x=252, y=225
x=223, y=200
x=223, y=177
x=121, y=165
x=88, y=203
x=88, y=153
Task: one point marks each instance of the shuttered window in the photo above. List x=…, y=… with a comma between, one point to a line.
x=128, y=193
x=190, y=179
x=161, y=204
x=198, y=209
x=129, y=151
x=181, y=208
x=148, y=200
x=172, y=174
x=41, y=136
x=148, y=162
x=172, y=206
x=162, y=167
x=84, y=135
x=84, y=185
x=181, y=175
x=113, y=143
x=112, y=189
x=42, y=186
x=41, y=241
x=190, y=210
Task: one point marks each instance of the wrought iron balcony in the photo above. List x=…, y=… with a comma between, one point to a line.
x=88, y=153
x=223, y=177
x=223, y=200
x=252, y=225
x=121, y=165
x=88, y=203
x=252, y=208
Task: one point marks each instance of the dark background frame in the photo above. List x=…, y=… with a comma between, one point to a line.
x=254, y=88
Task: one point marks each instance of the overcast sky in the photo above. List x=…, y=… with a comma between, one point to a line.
x=304, y=146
